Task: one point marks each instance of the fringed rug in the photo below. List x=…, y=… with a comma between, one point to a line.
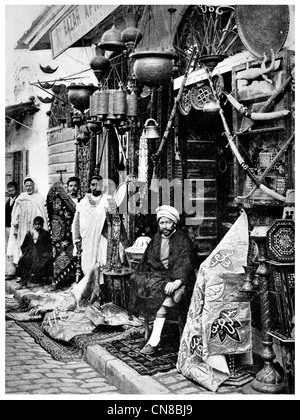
x=59, y=351
x=128, y=350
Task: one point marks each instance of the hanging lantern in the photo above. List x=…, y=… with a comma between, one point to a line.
x=119, y=103
x=79, y=95
x=150, y=130
x=100, y=64
x=111, y=40
x=132, y=105
x=102, y=104
x=131, y=36
x=93, y=105
x=110, y=117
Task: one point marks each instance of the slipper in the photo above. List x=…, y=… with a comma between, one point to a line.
x=148, y=349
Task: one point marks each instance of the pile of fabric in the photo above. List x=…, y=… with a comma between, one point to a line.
x=79, y=311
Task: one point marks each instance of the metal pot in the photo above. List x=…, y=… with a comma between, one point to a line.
x=79, y=95
x=153, y=68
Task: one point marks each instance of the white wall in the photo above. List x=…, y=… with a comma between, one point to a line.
x=22, y=70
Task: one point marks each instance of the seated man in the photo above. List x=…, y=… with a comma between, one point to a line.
x=36, y=259
x=165, y=275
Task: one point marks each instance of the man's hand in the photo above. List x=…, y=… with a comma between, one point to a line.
x=172, y=286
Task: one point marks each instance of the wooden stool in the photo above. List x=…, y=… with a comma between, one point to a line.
x=117, y=284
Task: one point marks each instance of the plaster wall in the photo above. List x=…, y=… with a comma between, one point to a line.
x=22, y=70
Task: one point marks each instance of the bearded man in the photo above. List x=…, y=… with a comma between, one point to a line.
x=88, y=229
x=165, y=275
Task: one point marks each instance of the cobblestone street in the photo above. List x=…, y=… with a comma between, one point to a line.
x=29, y=369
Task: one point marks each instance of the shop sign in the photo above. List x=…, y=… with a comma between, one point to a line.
x=76, y=24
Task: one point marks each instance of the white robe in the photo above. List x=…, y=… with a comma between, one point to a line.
x=91, y=220
x=26, y=208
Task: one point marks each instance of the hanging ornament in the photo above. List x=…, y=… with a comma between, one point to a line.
x=46, y=100
x=84, y=136
x=131, y=36
x=100, y=64
x=77, y=118
x=46, y=85
x=48, y=69
x=79, y=95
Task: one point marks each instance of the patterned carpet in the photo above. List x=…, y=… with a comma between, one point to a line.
x=59, y=351
x=76, y=348
x=128, y=350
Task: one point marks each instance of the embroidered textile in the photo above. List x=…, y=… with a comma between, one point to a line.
x=218, y=321
x=61, y=211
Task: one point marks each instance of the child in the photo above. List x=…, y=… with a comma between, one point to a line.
x=37, y=258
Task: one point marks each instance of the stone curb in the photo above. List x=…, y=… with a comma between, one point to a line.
x=126, y=379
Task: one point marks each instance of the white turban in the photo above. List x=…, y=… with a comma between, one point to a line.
x=169, y=212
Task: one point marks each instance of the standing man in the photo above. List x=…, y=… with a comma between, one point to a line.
x=165, y=275
x=73, y=185
x=28, y=205
x=12, y=191
x=89, y=225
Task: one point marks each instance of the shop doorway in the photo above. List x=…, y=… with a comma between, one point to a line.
x=207, y=165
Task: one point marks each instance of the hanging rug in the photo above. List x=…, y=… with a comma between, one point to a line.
x=128, y=350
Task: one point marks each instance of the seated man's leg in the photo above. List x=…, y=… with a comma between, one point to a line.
x=158, y=325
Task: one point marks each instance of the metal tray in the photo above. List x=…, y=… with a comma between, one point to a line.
x=262, y=27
